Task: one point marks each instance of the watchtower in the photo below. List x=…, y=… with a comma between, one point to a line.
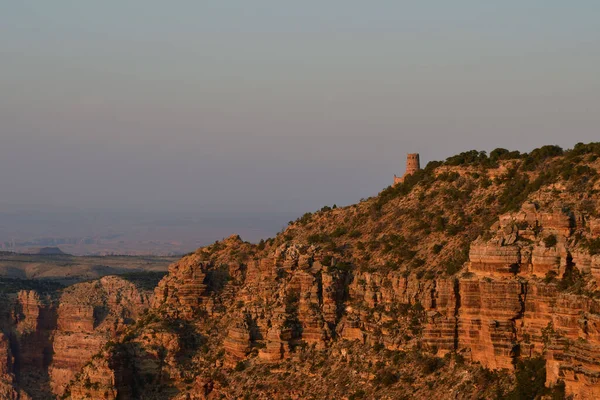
x=413, y=164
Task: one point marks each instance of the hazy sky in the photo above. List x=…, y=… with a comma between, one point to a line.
x=278, y=105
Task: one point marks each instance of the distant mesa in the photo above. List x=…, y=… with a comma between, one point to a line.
x=413, y=164
x=51, y=251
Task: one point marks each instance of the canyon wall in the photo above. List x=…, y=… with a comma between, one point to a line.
x=505, y=306
x=433, y=272
x=48, y=339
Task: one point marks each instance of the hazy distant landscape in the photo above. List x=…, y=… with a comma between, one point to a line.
x=299, y=200
x=127, y=233
x=65, y=269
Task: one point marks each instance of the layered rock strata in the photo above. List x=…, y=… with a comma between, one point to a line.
x=52, y=338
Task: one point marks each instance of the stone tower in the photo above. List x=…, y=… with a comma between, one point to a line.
x=413, y=164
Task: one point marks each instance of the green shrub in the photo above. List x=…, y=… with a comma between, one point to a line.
x=432, y=364
x=386, y=377
x=558, y=391
x=550, y=276
x=326, y=261
x=317, y=238
x=342, y=266
x=582, y=149
x=530, y=375
x=423, y=176
x=503, y=154
x=429, y=275
x=467, y=157
x=291, y=303
x=305, y=219
x=454, y=230
x=572, y=280
x=432, y=166
x=485, y=183
x=355, y=234
x=391, y=266
x=514, y=268
x=339, y=231
x=359, y=394
x=448, y=176
x=439, y=224
x=438, y=247
x=550, y=241
x=456, y=263
x=538, y=156
x=240, y=366
x=378, y=347
x=592, y=245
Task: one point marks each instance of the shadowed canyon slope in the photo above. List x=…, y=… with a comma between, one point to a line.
x=49, y=336
x=473, y=278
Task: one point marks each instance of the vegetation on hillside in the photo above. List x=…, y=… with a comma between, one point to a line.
x=463, y=196
x=421, y=228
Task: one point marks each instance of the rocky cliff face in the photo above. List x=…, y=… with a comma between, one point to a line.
x=458, y=283
x=90, y=314
x=7, y=377
x=49, y=338
x=491, y=265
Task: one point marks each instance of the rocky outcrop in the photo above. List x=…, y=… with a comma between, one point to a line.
x=499, y=311
x=277, y=346
x=500, y=319
x=53, y=337
x=349, y=302
x=544, y=260
x=594, y=226
x=183, y=290
x=90, y=314
x=7, y=378
x=441, y=328
x=97, y=380
x=488, y=317
x=238, y=342
x=493, y=259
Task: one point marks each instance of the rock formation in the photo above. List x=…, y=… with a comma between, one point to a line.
x=442, y=286
x=53, y=337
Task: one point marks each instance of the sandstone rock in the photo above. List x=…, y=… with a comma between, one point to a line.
x=183, y=289
x=594, y=224
x=277, y=344
x=556, y=221
x=487, y=320
x=237, y=344
x=98, y=381
x=544, y=260
x=493, y=260
x=287, y=303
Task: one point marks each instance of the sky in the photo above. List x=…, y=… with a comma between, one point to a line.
x=277, y=106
